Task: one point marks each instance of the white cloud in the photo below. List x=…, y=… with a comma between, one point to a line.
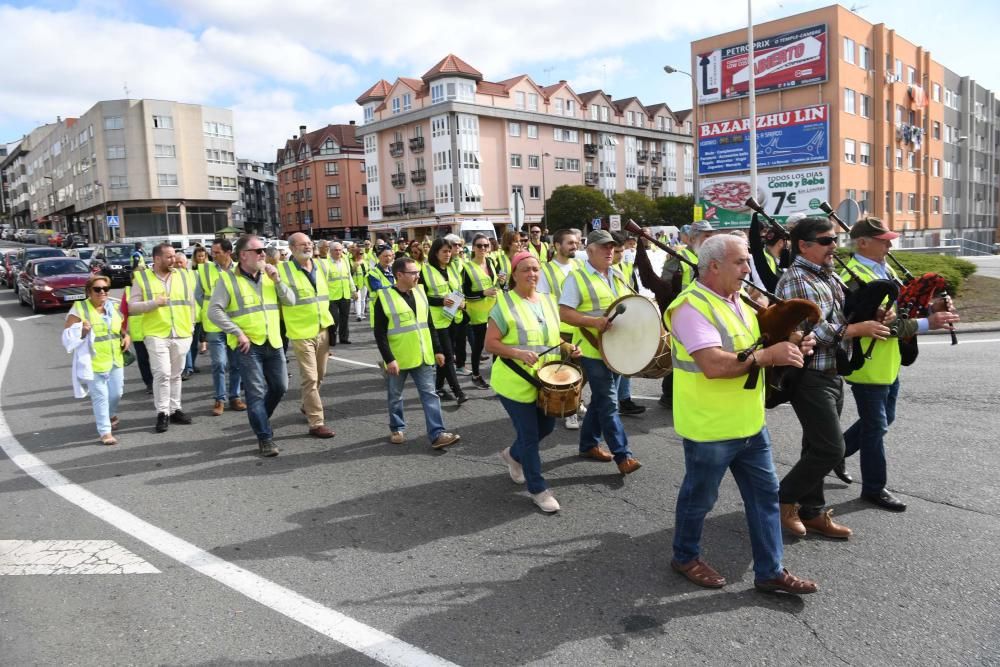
x=597, y=73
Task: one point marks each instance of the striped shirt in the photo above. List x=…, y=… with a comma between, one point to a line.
x=805, y=280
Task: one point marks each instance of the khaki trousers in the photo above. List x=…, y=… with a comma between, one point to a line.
x=312, y=353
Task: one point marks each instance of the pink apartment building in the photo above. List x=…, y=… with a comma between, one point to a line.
x=451, y=146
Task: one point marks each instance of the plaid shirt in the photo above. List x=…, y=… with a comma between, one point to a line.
x=805, y=280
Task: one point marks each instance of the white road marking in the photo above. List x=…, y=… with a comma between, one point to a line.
x=29, y=317
x=23, y=557
x=356, y=363
x=960, y=341
x=341, y=628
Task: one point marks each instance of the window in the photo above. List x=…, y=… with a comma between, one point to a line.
x=369, y=113
x=309, y=194
x=532, y=131
x=166, y=179
x=329, y=147
x=899, y=70
x=866, y=106
x=439, y=126
x=532, y=101
x=936, y=92
x=165, y=150
x=865, y=154
x=113, y=123
x=865, y=202
x=604, y=114
x=935, y=204
x=333, y=191
x=514, y=129
x=570, y=108
x=888, y=111
x=118, y=182
x=911, y=75
x=865, y=58
x=396, y=106
x=899, y=158
x=631, y=117
x=331, y=168
x=116, y=152
x=911, y=202
x=534, y=161
x=333, y=213
x=911, y=160
x=216, y=156
x=888, y=202
x=936, y=130
x=560, y=164
x=899, y=202
x=936, y=167
x=849, y=50
x=849, y=101
x=557, y=106
x=594, y=112
x=407, y=101
x=849, y=151
x=437, y=93
x=519, y=97
x=534, y=192
x=572, y=164
x=515, y=160
x=163, y=122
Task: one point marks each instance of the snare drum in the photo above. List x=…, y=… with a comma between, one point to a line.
x=562, y=386
x=636, y=345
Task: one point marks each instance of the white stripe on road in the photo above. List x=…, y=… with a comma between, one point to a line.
x=356, y=363
x=351, y=633
x=29, y=317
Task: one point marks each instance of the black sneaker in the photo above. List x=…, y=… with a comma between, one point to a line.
x=162, y=422
x=149, y=389
x=666, y=401
x=185, y=376
x=268, y=448
x=461, y=398
x=178, y=417
x=630, y=407
x=445, y=395
x=479, y=383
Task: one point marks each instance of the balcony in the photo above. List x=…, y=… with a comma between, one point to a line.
x=590, y=178
x=642, y=181
x=642, y=156
x=417, y=145
x=399, y=179
x=409, y=208
x=590, y=150
x=396, y=149
x=657, y=182
x=418, y=176
x=655, y=157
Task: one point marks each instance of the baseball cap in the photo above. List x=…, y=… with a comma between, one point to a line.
x=701, y=227
x=872, y=228
x=600, y=237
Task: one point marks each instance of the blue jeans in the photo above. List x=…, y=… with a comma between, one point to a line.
x=223, y=359
x=423, y=378
x=750, y=461
x=192, y=355
x=876, y=412
x=602, y=412
x=263, y=368
x=530, y=428
x=105, y=392
x=624, y=388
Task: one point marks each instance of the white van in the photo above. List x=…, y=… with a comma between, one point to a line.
x=469, y=229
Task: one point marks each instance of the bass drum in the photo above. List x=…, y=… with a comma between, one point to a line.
x=636, y=345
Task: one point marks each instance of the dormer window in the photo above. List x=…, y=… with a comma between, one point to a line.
x=329, y=147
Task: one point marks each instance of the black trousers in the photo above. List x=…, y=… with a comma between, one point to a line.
x=142, y=361
x=477, y=332
x=817, y=404
x=459, y=340
x=340, y=310
x=447, y=372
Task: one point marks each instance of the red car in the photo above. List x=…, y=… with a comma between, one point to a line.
x=9, y=267
x=52, y=283
x=56, y=240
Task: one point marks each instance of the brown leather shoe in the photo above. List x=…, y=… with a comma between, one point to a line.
x=790, y=520
x=445, y=439
x=628, y=466
x=238, y=405
x=321, y=431
x=218, y=408
x=825, y=525
x=598, y=454
x=787, y=583
x=397, y=437
x=700, y=573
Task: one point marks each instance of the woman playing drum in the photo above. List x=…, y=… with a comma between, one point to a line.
x=523, y=324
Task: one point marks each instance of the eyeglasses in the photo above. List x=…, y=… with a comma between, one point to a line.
x=100, y=288
x=824, y=240
x=259, y=251
x=410, y=273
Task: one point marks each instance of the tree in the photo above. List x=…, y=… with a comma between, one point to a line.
x=574, y=206
x=634, y=205
x=677, y=210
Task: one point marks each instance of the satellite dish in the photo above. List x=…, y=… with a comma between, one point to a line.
x=849, y=211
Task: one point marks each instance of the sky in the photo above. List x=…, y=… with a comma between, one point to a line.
x=282, y=64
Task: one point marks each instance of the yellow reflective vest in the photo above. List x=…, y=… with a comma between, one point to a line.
x=526, y=331
x=107, y=340
x=438, y=286
x=595, y=299
x=883, y=367
x=255, y=312
x=338, y=278
x=178, y=314
x=208, y=275
x=408, y=332
x=479, y=309
x=311, y=311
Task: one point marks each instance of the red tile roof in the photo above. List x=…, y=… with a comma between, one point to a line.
x=491, y=88
x=588, y=96
x=621, y=104
x=343, y=135
x=376, y=92
x=682, y=116
x=415, y=84
x=452, y=64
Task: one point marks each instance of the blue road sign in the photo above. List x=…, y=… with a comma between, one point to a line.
x=595, y=223
x=113, y=221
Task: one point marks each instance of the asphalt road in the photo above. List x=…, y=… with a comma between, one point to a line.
x=442, y=552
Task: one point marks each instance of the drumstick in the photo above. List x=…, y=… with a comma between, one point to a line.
x=619, y=309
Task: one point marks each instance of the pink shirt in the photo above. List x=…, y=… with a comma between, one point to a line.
x=694, y=331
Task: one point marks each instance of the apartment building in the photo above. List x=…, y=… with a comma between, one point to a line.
x=846, y=110
x=14, y=173
x=452, y=146
x=256, y=210
x=321, y=183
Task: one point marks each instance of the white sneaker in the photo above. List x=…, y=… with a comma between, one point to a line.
x=546, y=501
x=573, y=423
x=513, y=467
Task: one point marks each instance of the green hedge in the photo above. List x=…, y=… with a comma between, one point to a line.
x=954, y=270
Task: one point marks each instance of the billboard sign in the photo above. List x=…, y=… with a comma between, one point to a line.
x=797, y=136
x=781, y=193
x=788, y=60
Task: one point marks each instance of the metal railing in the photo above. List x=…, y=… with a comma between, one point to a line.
x=970, y=247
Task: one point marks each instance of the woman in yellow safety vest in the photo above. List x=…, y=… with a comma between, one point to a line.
x=524, y=331
x=359, y=269
x=441, y=283
x=479, y=287
x=510, y=245
x=101, y=323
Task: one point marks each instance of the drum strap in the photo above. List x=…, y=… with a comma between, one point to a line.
x=590, y=338
x=533, y=381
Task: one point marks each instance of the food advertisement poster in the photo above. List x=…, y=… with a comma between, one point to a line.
x=780, y=193
x=788, y=60
x=796, y=136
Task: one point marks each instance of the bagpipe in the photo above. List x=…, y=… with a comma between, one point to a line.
x=917, y=297
x=777, y=322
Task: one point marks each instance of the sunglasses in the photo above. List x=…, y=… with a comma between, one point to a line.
x=482, y=245
x=100, y=288
x=259, y=251
x=824, y=240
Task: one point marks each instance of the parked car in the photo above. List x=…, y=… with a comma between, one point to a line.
x=52, y=282
x=114, y=260
x=55, y=240
x=7, y=234
x=23, y=255
x=86, y=254
x=7, y=273
x=74, y=241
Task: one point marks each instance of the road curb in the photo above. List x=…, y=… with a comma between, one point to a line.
x=972, y=327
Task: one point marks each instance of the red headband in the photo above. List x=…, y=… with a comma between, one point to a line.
x=518, y=258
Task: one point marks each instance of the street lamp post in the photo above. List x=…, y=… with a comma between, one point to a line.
x=52, y=193
x=673, y=70
x=545, y=201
